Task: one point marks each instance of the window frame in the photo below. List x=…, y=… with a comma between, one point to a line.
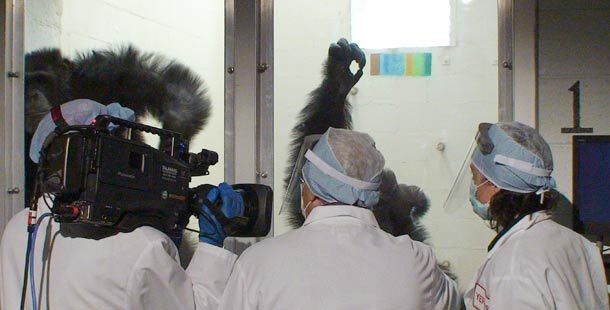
x=404, y=49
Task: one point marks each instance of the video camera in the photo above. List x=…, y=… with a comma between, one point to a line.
x=106, y=179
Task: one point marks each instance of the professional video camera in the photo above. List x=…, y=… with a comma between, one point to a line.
x=106, y=179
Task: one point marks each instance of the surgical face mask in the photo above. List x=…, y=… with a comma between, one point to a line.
x=481, y=209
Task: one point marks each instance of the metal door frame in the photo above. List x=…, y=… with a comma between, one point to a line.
x=11, y=111
x=506, y=106
x=248, y=108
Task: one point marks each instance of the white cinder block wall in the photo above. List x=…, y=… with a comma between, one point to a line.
x=42, y=24
x=190, y=31
x=407, y=116
x=573, y=45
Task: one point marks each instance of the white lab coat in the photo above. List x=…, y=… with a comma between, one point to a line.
x=539, y=264
x=136, y=270
x=339, y=259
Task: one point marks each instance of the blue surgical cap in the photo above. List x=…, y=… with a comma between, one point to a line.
x=344, y=167
x=512, y=166
x=76, y=112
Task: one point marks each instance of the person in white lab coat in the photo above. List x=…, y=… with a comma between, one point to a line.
x=533, y=262
x=339, y=258
x=135, y=270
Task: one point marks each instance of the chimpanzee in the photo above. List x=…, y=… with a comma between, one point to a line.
x=400, y=206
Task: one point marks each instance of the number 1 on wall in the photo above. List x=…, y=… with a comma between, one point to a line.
x=575, y=89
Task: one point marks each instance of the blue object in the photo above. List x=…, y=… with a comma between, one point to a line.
x=232, y=202
x=76, y=112
x=210, y=229
x=512, y=167
x=591, y=176
x=392, y=64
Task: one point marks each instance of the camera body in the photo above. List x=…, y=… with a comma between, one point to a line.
x=105, y=179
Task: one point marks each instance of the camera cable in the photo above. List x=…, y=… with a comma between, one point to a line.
x=32, y=262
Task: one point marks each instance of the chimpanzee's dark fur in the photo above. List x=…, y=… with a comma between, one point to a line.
x=47, y=83
x=144, y=82
x=400, y=206
x=171, y=92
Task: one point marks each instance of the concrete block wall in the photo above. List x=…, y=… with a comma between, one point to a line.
x=407, y=116
x=190, y=31
x=573, y=45
x=42, y=24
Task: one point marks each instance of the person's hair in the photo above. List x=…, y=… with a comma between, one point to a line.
x=505, y=206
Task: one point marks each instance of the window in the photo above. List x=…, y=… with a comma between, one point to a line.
x=381, y=24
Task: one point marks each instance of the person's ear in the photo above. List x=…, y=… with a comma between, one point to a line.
x=494, y=189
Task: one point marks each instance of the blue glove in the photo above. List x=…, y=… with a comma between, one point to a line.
x=210, y=229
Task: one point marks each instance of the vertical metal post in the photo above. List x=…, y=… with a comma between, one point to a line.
x=264, y=104
x=229, y=102
x=506, y=110
x=248, y=96
x=245, y=92
x=11, y=110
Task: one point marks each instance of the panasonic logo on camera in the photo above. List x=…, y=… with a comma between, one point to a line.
x=125, y=175
x=169, y=169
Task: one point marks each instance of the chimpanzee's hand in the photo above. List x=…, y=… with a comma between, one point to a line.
x=340, y=57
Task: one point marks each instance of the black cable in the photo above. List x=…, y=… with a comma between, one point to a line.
x=192, y=230
x=33, y=255
x=25, y=270
x=33, y=204
x=44, y=198
x=33, y=207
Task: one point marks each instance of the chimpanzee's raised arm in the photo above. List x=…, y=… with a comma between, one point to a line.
x=327, y=106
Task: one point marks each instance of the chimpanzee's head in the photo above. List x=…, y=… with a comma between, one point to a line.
x=47, y=84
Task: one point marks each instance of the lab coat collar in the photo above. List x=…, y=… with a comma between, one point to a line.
x=524, y=224
x=329, y=211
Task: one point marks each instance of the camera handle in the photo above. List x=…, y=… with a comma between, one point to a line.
x=102, y=122
x=171, y=141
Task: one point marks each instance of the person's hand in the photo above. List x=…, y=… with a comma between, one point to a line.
x=211, y=230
